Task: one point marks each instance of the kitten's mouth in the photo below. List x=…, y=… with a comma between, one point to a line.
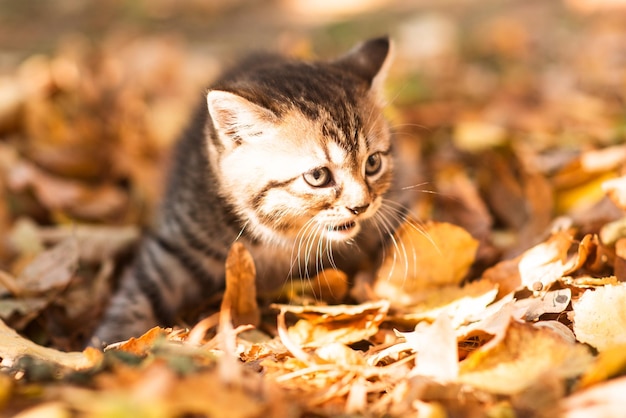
x=342, y=232
x=342, y=227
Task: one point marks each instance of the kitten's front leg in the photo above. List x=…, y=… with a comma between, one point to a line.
x=129, y=314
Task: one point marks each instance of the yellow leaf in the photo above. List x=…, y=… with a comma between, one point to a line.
x=435, y=255
x=521, y=358
x=475, y=136
x=340, y=354
x=608, y=364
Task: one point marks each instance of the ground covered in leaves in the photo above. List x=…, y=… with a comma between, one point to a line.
x=508, y=300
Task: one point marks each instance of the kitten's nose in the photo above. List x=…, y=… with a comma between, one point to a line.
x=357, y=210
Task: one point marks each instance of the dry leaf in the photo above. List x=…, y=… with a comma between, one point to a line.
x=39, y=283
x=620, y=260
x=95, y=243
x=340, y=354
x=600, y=317
x=506, y=275
x=46, y=410
x=13, y=346
x=58, y=194
x=475, y=135
x=609, y=363
x=616, y=190
x=545, y=263
x=141, y=345
x=550, y=302
x=345, y=324
x=459, y=303
x=603, y=400
x=240, y=295
x=436, y=348
x=50, y=270
x=521, y=359
x=427, y=257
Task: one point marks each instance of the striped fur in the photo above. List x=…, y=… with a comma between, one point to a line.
x=243, y=171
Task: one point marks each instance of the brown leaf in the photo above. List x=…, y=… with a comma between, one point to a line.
x=105, y=201
x=240, y=295
x=620, y=260
x=96, y=244
x=339, y=323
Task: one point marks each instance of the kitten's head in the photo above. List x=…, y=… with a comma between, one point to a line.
x=302, y=149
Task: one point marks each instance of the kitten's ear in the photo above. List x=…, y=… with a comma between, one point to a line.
x=236, y=119
x=369, y=60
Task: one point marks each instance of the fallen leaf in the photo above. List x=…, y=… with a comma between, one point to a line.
x=545, y=263
x=550, y=302
x=97, y=203
x=608, y=364
x=340, y=354
x=95, y=243
x=476, y=135
x=620, y=260
x=599, y=317
x=426, y=257
x=459, y=303
x=142, y=344
x=521, y=358
x=240, y=295
x=50, y=270
x=13, y=346
x=603, y=400
x=436, y=348
x=47, y=410
x=616, y=190
x=338, y=323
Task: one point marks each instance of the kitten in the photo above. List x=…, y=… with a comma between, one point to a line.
x=292, y=158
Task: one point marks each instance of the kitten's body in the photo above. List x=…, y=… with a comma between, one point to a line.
x=290, y=158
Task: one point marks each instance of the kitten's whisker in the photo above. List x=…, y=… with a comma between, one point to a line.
x=308, y=250
x=298, y=248
x=415, y=186
x=402, y=219
x=408, y=125
x=404, y=211
x=398, y=244
x=243, y=228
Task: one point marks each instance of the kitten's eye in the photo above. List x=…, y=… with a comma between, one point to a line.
x=373, y=164
x=318, y=177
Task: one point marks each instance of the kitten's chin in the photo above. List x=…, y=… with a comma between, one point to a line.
x=342, y=232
